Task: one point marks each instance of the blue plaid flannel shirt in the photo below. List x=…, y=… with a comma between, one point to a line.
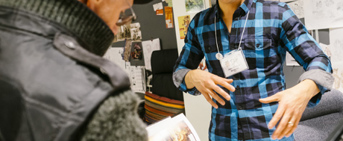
x=271, y=30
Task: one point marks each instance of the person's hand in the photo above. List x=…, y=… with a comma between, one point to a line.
x=207, y=84
x=292, y=104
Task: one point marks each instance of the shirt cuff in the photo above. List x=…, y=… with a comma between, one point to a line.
x=179, y=82
x=324, y=81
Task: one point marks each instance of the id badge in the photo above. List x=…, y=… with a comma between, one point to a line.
x=234, y=62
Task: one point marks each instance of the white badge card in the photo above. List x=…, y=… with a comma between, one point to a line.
x=233, y=62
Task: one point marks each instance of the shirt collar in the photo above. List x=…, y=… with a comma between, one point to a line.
x=241, y=11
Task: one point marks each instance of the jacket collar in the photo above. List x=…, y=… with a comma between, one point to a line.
x=81, y=22
x=241, y=10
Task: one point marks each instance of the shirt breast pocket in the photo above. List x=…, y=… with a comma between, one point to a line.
x=257, y=43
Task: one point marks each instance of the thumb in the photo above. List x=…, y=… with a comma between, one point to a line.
x=270, y=99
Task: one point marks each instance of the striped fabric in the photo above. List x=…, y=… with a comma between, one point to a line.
x=158, y=107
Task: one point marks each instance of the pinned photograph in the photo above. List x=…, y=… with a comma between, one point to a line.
x=136, y=34
x=183, y=25
x=123, y=33
x=148, y=47
x=158, y=6
x=127, y=50
x=194, y=6
x=136, y=51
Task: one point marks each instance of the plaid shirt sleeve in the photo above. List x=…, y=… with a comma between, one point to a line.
x=189, y=59
x=307, y=52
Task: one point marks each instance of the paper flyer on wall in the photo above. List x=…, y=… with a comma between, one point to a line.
x=137, y=78
x=298, y=8
x=194, y=6
x=320, y=14
x=336, y=51
x=326, y=49
x=135, y=73
x=168, y=11
x=148, y=47
x=116, y=55
x=183, y=25
x=177, y=128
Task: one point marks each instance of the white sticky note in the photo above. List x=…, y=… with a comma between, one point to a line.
x=158, y=6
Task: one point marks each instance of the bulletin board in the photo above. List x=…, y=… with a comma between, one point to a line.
x=152, y=26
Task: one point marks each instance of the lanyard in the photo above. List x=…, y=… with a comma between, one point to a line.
x=219, y=56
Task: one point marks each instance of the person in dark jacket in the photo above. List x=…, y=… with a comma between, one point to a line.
x=54, y=84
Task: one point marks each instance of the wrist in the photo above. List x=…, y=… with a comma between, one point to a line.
x=309, y=87
x=188, y=80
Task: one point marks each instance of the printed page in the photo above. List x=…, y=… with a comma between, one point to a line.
x=177, y=128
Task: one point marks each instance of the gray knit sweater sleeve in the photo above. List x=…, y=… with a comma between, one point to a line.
x=116, y=119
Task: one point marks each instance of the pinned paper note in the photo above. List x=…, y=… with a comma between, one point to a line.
x=148, y=47
x=297, y=7
x=169, y=17
x=336, y=50
x=159, y=12
x=170, y=3
x=183, y=25
x=157, y=6
x=320, y=14
x=116, y=54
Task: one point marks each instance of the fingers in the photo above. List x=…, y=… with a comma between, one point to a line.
x=228, y=80
x=283, y=125
x=224, y=82
x=209, y=100
x=208, y=93
x=216, y=97
x=295, y=120
x=277, y=116
x=270, y=99
x=292, y=124
x=221, y=92
x=295, y=127
x=209, y=88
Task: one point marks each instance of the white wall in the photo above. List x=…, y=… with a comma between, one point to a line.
x=198, y=110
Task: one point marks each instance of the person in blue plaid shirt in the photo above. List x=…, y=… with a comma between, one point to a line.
x=252, y=104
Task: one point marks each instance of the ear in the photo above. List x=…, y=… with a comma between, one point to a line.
x=92, y=4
